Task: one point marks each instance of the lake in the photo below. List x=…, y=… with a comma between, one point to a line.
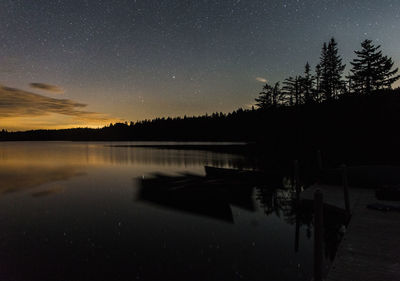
x=93, y=211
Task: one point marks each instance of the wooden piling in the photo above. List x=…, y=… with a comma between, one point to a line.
x=297, y=233
x=318, y=235
x=297, y=179
x=346, y=191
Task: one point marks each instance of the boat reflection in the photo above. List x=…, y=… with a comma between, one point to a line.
x=200, y=195
x=215, y=194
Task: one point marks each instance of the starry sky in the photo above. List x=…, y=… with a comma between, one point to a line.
x=69, y=63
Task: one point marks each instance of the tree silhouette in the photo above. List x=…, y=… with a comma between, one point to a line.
x=371, y=70
x=318, y=77
x=291, y=91
x=269, y=97
x=331, y=82
x=322, y=67
x=283, y=112
x=307, y=84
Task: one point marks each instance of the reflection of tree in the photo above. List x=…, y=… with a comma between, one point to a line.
x=165, y=156
x=282, y=203
x=278, y=201
x=277, y=197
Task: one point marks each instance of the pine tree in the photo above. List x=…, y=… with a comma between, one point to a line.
x=291, y=91
x=336, y=68
x=264, y=99
x=276, y=94
x=387, y=74
x=269, y=97
x=307, y=84
x=371, y=70
x=331, y=83
x=318, y=75
x=323, y=68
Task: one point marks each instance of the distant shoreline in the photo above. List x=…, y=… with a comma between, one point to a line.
x=352, y=129
x=220, y=147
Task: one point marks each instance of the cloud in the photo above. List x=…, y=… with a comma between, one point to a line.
x=260, y=79
x=250, y=105
x=47, y=87
x=19, y=103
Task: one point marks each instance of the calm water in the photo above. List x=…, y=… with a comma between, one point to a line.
x=88, y=211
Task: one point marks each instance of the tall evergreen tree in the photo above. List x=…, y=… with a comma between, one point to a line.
x=331, y=83
x=269, y=97
x=323, y=69
x=318, y=75
x=307, y=84
x=291, y=91
x=371, y=70
x=276, y=94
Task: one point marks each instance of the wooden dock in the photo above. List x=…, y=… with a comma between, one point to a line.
x=334, y=195
x=370, y=249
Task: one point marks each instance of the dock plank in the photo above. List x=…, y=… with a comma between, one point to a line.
x=370, y=249
x=334, y=195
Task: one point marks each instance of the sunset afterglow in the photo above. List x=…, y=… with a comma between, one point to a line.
x=89, y=63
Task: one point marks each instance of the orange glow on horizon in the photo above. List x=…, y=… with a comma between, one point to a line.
x=52, y=121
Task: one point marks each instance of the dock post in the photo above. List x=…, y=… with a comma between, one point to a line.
x=297, y=233
x=297, y=179
x=319, y=160
x=346, y=191
x=318, y=234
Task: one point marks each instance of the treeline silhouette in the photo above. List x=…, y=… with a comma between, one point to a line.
x=214, y=127
x=353, y=115
x=351, y=123
x=370, y=71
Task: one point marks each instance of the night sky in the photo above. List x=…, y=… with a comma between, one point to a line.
x=71, y=63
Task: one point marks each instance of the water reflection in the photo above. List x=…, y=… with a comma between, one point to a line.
x=19, y=178
x=29, y=165
x=214, y=197
x=198, y=195
x=108, y=153
x=282, y=203
x=182, y=225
